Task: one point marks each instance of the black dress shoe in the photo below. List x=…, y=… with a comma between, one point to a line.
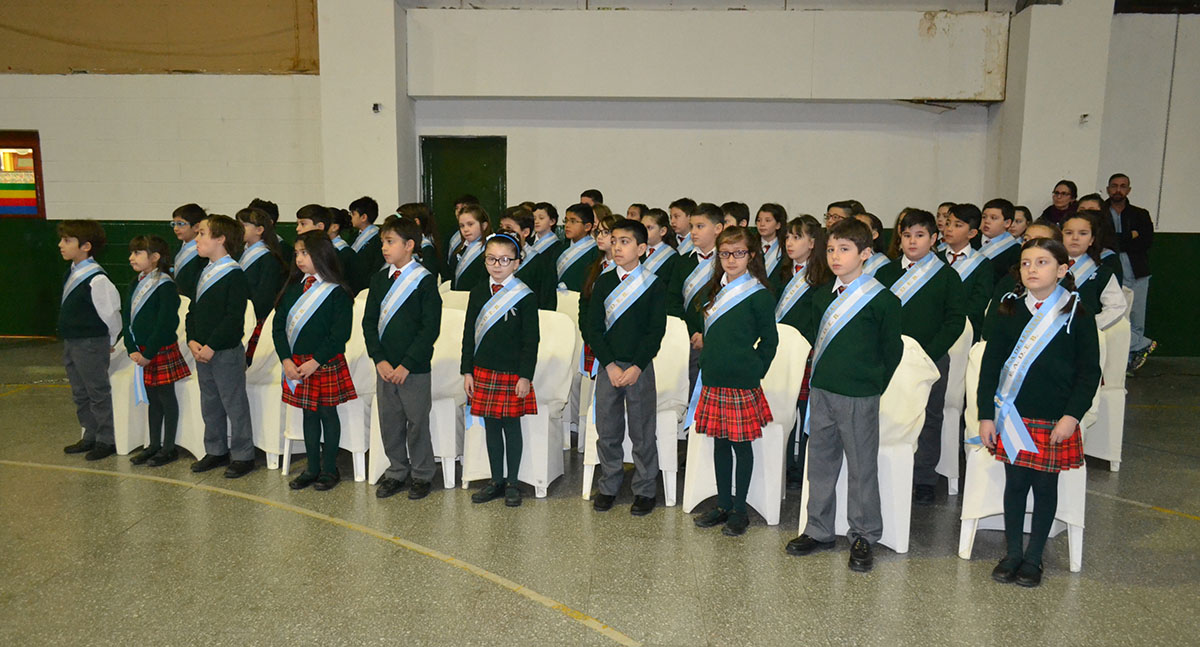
x=163, y=457
x=327, y=481
x=642, y=506
x=489, y=492
x=924, y=495
x=861, y=559
x=144, y=455
x=101, y=450
x=238, y=469
x=420, y=490
x=304, y=480
x=388, y=487
x=603, y=502
x=209, y=462
x=78, y=447
x=1029, y=575
x=1006, y=571
x=804, y=545
x=712, y=518
x=736, y=525
x=512, y=496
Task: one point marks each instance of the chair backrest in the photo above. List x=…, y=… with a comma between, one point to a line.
x=446, y=376
x=362, y=367
x=671, y=368
x=1115, y=341
x=266, y=367
x=955, y=386
x=184, y=304
x=556, y=359
x=971, y=412
x=457, y=300
x=568, y=304
x=902, y=406
x=444, y=287
x=785, y=376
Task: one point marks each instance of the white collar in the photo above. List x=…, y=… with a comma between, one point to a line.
x=966, y=251
x=1075, y=259
x=907, y=263
x=492, y=281
x=406, y=266
x=1032, y=301
x=839, y=283
x=318, y=278
x=701, y=256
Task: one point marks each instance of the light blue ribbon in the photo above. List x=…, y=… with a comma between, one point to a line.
x=364, y=237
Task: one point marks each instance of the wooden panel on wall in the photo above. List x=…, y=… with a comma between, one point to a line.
x=158, y=36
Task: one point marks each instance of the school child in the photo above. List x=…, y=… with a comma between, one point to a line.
x=214, y=333
x=737, y=214
x=285, y=248
x=878, y=258
x=1020, y=222
x=427, y=253
x=499, y=354
x=152, y=341
x=1039, y=373
x=857, y=349
x=367, y=257
x=591, y=197
x=933, y=313
x=943, y=217
x=339, y=223
x=315, y=217
x=400, y=324
x=685, y=293
x=456, y=236
x=469, y=269
x=1106, y=235
x=805, y=272
x=681, y=212
x=837, y=212
x=545, y=231
x=740, y=340
x=974, y=269
x=661, y=256
x=89, y=322
x=572, y=264
x=770, y=223
x=262, y=264
x=636, y=211
x=536, y=270
x=995, y=242
x=626, y=324
x=1008, y=282
x=1099, y=291
x=185, y=223
x=603, y=264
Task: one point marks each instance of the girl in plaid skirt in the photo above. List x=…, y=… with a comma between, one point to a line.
x=151, y=339
x=739, y=343
x=1040, y=331
x=499, y=354
x=311, y=328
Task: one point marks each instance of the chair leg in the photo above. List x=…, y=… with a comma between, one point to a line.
x=448, y=473
x=589, y=471
x=287, y=456
x=1114, y=466
x=360, y=466
x=1075, y=542
x=966, y=538
x=953, y=487
x=540, y=491
x=670, y=487
x=272, y=461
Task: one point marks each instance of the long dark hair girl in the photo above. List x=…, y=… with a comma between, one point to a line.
x=663, y=219
x=1059, y=251
x=817, y=270
x=324, y=258
x=756, y=267
x=1093, y=220
x=481, y=216
x=259, y=218
x=606, y=223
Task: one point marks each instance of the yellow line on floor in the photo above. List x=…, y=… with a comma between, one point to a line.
x=17, y=388
x=578, y=616
x=23, y=387
x=1145, y=505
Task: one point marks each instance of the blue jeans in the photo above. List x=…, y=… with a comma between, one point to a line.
x=1138, y=341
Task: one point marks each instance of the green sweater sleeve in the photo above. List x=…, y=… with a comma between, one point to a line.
x=953, y=315
x=651, y=342
x=370, y=320
x=420, y=351
x=530, y=336
x=166, y=324
x=999, y=346
x=890, y=331
x=768, y=335
x=1087, y=368
x=279, y=324
x=341, y=309
x=474, y=304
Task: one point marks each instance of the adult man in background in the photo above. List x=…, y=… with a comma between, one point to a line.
x=1135, y=233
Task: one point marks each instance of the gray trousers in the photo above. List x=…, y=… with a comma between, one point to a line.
x=638, y=402
x=842, y=424
x=86, y=361
x=223, y=398
x=929, y=443
x=404, y=425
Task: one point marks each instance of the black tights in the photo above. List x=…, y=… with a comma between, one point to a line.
x=1018, y=482
x=723, y=454
x=502, y=433
x=327, y=418
x=164, y=416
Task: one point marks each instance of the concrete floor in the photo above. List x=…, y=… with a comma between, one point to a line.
x=112, y=559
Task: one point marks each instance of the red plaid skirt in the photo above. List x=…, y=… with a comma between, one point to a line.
x=804, y=387
x=733, y=414
x=253, y=343
x=496, y=395
x=167, y=367
x=328, y=387
x=588, y=359
x=1050, y=458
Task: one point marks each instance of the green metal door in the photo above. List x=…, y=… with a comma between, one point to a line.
x=452, y=166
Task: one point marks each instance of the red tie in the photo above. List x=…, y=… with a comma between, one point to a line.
x=308, y=283
x=624, y=276
x=1038, y=305
x=954, y=257
x=841, y=289
x=798, y=269
x=496, y=288
x=649, y=251
x=703, y=257
x=766, y=248
x=1070, y=263
x=395, y=275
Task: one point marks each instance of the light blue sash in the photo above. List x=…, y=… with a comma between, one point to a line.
x=968, y=264
x=1106, y=252
x=340, y=243
x=141, y=295
x=542, y=244
x=498, y=306
x=1083, y=270
x=186, y=255
x=696, y=280
x=942, y=247
x=214, y=272
x=730, y=296
x=873, y=264
x=844, y=308
x=796, y=288
x=253, y=253
x=772, y=255
x=469, y=255
x=660, y=256
x=398, y=294
x=685, y=245
x=608, y=266
x=79, y=275
x=916, y=277
x=455, y=241
x=573, y=254
x=627, y=293
x=998, y=244
x=365, y=237
x=304, y=307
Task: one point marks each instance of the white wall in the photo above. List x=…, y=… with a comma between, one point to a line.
x=803, y=155
x=135, y=147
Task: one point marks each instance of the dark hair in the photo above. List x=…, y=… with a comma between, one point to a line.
x=522, y=216
x=818, y=265
x=481, y=216
x=406, y=228
x=325, y=261
x=191, y=212
x=856, y=207
x=260, y=218
x=1070, y=186
x=466, y=198
x=593, y=194
x=84, y=231
x=606, y=222
x=1093, y=220
x=968, y=213
x=1117, y=176
x=949, y=205
x=634, y=227
x=1025, y=210
x=1005, y=207
x=686, y=205
x=1090, y=196
x=316, y=214
x=505, y=238
x=1060, y=254
x=739, y=210
x=662, y=219
x=221, y=225
x=585, y=213
x=548, y=208
x=153, y=245
x=876, y=226
x=756, y=267
x=893, y=248
x=339, y=217
x=1055, y=232
x=710, y=211
x=853, y=230
x=269, y=207
x=641, y=208
x=366, y=206
x=844, y=205
x=919, y=218
x=777, y=212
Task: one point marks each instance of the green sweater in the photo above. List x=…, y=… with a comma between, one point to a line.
x=637, y=335
x=934, y=316
x=1005, y=262
x=265, y=277
x=577, y=272
x=156, y=324
x=509, y=346
x=327, y=331
x=690, y=312
x=666, y=271
x=801, y=315
x=739, y=347
x=346, y=257
x=1089, y=293
x=77, y=316
x=427, y=256
x=977, y=293
x=408, y=339
x=538, y=273
x=475, y=274
x=1061, y=381
x=188, y=276
x=217, y=318
x=1113, y=263
x=367, y=261
x=860, y=360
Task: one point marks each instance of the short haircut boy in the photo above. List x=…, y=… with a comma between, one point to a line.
x=84, y=231
x=948, y=205
x=549, y=209
x=968, y=213
x=919, y=218
x=853, y=230
x=522, y=216
x=634, y=227
x=316, y=214
x=1006, y=208
x=739, y=210
x=191, y=212
x=405, y=228
x=220, y=225
x=710, y=211
x=686, y=205
x=366, y=206
x=594, y=195
x=271, y=208
x=584, y=212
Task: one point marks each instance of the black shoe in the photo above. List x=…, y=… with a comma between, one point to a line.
x=144, y=455
x=327, y=481
x=78, y=447
x=1006, y=571
x=642, y=506
x=712, y=518
x=795, y=485
x=210, y=462
x=304, y=480
x=490, y=492
x=924, y=495
x=163, y=457
x=736, y=525
x=101, y=450
x=512, y=496
x=1029, y=575
x=804, y=545
x=420, y=490
x=388, y=487
x=602, y=502
x=861, y=559
x=238, y=469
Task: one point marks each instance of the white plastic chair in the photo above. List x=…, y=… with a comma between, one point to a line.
x=456, y=300
x=130, y=423
x=444, y=287
x=781, y=387
x=901, y=416
x=568, y=304
x=1103, y=439
x=670, y=383
x=952, y=433
x=265, y=392
x=542, y=456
